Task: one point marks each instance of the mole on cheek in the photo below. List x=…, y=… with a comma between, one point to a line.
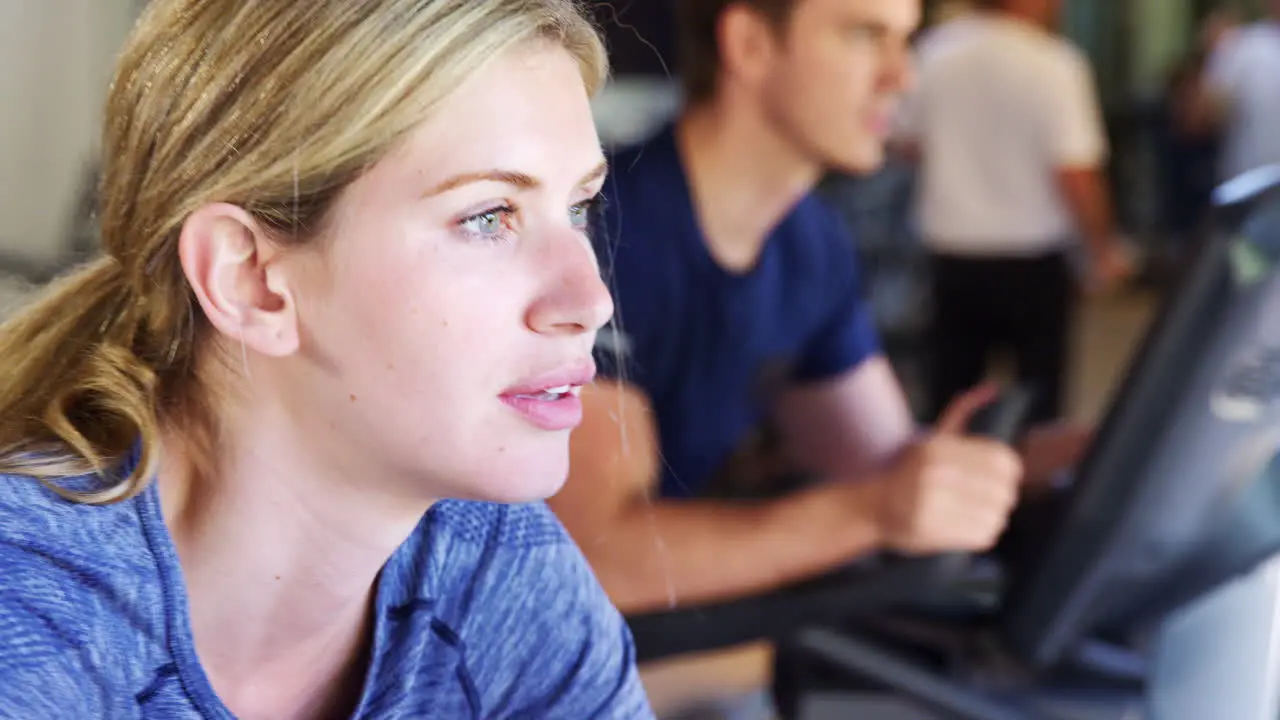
x=353, y=397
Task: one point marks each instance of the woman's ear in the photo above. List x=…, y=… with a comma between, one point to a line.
x=230, y=262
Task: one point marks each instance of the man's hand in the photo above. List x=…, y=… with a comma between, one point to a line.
x=950, y=491
x=1051, y=448
x=1110, y=268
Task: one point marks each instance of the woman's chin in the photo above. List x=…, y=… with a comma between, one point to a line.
x=534, y=480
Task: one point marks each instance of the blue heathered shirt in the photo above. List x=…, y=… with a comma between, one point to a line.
x=487, y=611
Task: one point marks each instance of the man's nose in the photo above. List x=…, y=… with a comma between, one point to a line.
x=575, y=298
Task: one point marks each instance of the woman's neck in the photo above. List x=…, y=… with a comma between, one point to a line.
x=280, y=561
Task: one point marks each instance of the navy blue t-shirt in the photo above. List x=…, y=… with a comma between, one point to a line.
x=710, y=347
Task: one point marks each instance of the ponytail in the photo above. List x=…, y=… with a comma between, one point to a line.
x=75, y=398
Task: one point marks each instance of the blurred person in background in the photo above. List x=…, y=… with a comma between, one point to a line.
x=1241, y=93
x=1189, y=143
x=1006, y=127
x=739, y=303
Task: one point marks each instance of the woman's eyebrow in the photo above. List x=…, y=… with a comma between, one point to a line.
x=596, y=173
x=520, y=180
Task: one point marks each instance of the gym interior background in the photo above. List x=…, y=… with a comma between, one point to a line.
x=55, y=60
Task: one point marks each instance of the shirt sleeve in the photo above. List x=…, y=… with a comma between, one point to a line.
x=846, y=333
x=1075, y=130
x=555, y=646
x=40, y=676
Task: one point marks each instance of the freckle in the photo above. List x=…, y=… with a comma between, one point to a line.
x=353, y=397
x=391, y=366
x=502, y=449
x=445, y=323
x=277, y=577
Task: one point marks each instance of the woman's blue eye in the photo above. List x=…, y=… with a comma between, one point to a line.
x=580, y=214
x=496, y=223
x=488, y=223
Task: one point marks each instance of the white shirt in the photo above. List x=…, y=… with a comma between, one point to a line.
x=1245, y=70
x=999, y=108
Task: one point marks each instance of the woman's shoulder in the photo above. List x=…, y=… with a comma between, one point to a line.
x=78, y=596
x=51, y=548
x=507, y=584
x=38, y=520
x=491, y=560
x=465, y=544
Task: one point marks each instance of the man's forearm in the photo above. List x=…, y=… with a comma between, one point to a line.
x=1086, y=193
x=681, y=552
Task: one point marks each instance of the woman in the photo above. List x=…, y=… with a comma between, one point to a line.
x=346, y=293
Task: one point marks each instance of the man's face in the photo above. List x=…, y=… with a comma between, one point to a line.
x=838, y=73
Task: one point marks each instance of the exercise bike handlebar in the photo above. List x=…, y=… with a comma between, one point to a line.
x=874, y=584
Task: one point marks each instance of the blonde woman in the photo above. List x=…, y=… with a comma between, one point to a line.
x=279, y=452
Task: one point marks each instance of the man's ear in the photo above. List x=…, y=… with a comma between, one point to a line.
x=748, y=43
x=230, y=262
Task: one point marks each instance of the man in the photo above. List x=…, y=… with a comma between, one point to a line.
x=1006, y=120
x=1243, y=93
x=737, y=299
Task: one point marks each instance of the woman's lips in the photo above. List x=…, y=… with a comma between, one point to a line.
x=551, y=400
x=557, y=408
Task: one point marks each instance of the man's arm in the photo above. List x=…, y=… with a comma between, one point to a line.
x=650, y=553
x=1086, y=193
x=858, y=423
x=851, y=425
x=1078, y=149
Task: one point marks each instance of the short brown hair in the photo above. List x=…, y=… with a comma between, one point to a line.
x=699, y=47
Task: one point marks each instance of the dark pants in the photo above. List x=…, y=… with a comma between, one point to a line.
x=1020, y=304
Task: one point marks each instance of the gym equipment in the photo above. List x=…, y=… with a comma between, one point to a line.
x=1139, y=586
x=881, y=582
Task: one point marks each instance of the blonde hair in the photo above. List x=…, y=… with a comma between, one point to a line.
x=273, y=105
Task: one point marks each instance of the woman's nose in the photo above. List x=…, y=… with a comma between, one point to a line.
x=574, y=298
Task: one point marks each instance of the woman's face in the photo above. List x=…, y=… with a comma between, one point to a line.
x=449, y=323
